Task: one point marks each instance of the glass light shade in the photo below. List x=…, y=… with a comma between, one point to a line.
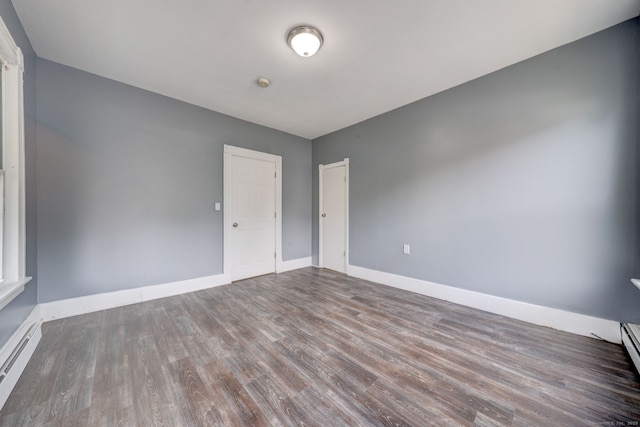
x=305, y=41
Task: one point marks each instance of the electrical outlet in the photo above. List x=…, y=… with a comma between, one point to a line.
x=406, y=249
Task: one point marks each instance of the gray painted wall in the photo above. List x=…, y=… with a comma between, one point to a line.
x=128, y=180
x=12, y=316
x=521, y=184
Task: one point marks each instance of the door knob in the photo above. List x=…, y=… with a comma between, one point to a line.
x=235, y=224
x=324, y=215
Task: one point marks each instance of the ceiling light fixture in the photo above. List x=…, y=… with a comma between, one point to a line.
x=305, y=40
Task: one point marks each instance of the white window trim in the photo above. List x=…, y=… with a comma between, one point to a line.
x=14, y=233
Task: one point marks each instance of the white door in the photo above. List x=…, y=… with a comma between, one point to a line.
x=333, y=216
x=252, y=217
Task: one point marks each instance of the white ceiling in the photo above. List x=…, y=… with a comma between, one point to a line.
x=378, y=54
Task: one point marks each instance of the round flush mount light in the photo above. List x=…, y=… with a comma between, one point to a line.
x=305, y=40
x=263, y=82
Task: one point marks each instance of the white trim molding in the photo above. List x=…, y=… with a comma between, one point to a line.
x=294, y=264
x=10, y=290
x=12, y=242
x=92, y=303
x=229, y=152
x=575, y=323
x=9, y=50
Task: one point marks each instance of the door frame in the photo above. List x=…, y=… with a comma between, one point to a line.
x=232, y=151
x=321, y=167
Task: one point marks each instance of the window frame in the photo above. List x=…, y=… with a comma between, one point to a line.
x=13, y=244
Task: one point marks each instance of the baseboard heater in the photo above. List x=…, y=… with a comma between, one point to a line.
x=17, y=360
x=631, y=341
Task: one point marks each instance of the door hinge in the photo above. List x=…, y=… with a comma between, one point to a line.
x=275, y=174
x=274, y=214
x=274, y=254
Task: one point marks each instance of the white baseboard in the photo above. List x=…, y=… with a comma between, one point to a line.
x=182, y=287
x=294, y=264
x=92, y=303
x=539, y=315
x=9, y=382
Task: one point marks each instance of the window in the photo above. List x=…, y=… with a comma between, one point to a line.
x=12, y=200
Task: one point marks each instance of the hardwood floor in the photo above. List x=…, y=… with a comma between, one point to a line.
x=311, y=347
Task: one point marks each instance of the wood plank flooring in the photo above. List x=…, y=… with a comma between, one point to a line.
x=316, y=348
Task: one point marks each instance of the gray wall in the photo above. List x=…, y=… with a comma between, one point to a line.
x=16, y=312
x=128, y=180
x=521, y=184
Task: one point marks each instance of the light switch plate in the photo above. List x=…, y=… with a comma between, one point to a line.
x=217, y=206
x=406, y=249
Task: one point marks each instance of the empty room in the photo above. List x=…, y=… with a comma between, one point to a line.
x=320, y=213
